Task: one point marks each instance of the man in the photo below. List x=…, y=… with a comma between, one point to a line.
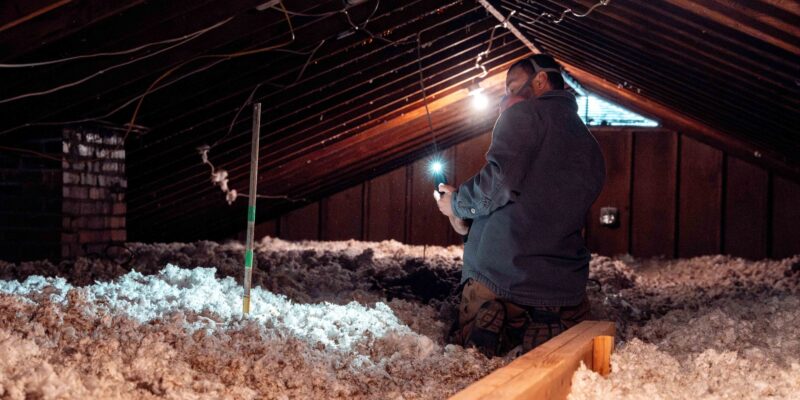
x=525, y=261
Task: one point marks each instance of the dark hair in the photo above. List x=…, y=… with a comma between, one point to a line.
x=544, y=61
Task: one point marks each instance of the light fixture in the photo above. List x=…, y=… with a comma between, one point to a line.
x=436, y=168
x=479, y=99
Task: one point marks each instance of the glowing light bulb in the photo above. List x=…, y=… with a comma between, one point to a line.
x=480, y=101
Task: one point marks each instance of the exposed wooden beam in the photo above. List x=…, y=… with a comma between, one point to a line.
x=493, y=84
x=326, y=162
x=98, y=95
x=666, y=115
x=546, y=371
x=698, y=8
x=29, y=14
x=710, y=56
x=72, y=18
x=791, y=6
x=455, y=76
x=767, y=15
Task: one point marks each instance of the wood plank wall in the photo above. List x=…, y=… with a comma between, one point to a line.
x=677, y=197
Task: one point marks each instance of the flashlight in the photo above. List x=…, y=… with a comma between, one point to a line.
x=436, y=169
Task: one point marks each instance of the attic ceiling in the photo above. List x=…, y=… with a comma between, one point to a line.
x=342, y=95
x=731, y=65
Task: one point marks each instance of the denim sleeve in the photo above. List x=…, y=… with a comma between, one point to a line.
x=498, y=182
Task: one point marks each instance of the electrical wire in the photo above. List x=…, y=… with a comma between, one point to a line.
x=97, y=55
x=247, y=102
x=217, y=174
x=485, y=53
x=271, y=48
x=563, y=14
x=152, y=88
x=576, y=15
x=224, y=57
x=363, y=27
x=220, y=177
x=372, y=14
x=131, y=125
x=301, y=14
x=310, y=57
x=552, y=17
x=112, y=112
x=424, y=95
x=129, y=102
x=117, y=66
x=255, y=51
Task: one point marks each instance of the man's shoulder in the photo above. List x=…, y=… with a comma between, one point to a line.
x=524, y=110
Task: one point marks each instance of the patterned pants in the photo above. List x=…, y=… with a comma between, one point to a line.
x=526, y=325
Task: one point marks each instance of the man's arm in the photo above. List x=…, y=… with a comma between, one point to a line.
x=497, y=183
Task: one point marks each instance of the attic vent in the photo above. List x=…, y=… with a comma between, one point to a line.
x=595, y=111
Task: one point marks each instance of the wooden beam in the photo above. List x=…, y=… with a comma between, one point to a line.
x=297, y=116
x=337, y=155
x=546, y=371
x=71, y=18
x=602, y=347
x=31, y=14
x=666, y=116
x=786, y=5
x=724, y=19
x=769, y=15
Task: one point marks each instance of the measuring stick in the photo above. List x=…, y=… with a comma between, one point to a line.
x=251, y=209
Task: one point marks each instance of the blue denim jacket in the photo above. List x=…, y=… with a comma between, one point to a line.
x=529, y=202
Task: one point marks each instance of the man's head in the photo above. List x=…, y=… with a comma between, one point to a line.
x=534, y=76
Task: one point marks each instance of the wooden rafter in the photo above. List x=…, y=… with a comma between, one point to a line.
x=723, y=18
x=70, y=18
x=31, y=14
x=668, y=116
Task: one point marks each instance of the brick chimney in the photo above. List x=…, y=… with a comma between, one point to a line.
x=94, y=184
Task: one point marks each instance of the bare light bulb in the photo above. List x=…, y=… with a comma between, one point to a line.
x=479, y=99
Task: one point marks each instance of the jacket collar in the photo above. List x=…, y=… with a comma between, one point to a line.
x=560, y=95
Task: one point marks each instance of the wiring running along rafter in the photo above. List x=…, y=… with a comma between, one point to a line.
x=190, y=37
x=108, y=54
x=219, y=177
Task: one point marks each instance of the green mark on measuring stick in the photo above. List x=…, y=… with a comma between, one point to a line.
x=251, y=214
x=248, y=258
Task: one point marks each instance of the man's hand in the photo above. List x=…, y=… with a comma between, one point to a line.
x=445, y=200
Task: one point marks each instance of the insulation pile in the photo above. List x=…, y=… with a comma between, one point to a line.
x=369, y=321
x=706, y=328
x=353, y=321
